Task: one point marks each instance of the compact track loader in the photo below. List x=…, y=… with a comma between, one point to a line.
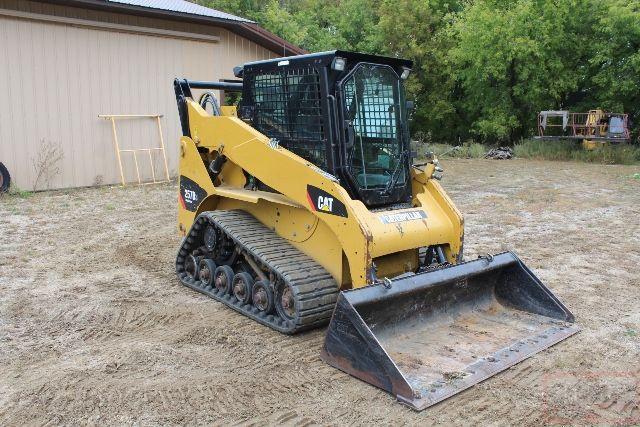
x=302, y=207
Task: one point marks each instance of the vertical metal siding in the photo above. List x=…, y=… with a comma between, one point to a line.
x=58, y=78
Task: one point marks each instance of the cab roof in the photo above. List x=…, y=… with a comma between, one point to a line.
x=321, y=59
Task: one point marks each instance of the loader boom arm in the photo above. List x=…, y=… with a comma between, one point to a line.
x=257, y=155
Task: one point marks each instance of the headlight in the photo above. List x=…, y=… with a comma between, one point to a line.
x=405, y=73
x=338, y=63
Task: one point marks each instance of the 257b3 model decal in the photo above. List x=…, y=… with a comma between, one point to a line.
x=191, y=194
x=322, y=201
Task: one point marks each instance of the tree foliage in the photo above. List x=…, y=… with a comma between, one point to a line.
x=615, y=65
x=483, y=68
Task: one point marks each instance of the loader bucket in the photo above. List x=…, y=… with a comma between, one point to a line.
x=434, y=334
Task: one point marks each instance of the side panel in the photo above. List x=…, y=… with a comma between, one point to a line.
x=293, y=222
x=279, y=168
x=191, y=167
x=322, y=245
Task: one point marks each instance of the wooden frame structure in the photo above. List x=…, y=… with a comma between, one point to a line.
x=113, y=118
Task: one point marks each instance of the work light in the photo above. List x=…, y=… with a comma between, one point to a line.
x=338, y=63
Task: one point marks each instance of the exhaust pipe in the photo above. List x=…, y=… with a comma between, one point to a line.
x=432, y=335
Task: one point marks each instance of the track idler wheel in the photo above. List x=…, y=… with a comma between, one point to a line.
x=262, y=297
x=207, y=271
x=210, y=238
x=224, y=250
x=192, y=266
x=224, y=279
x=242, y=284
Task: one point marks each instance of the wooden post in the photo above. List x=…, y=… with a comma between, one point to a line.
x=164, y=155
x=115, y=141
x=153, y=172
x=135, y=160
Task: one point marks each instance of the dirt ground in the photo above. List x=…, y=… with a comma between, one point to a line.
x=95, y=328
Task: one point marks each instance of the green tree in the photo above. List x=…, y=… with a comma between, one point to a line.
x=615, y=63
x=320, y=21
x=482, y=69
x=413, y=29
x=513, y=59
x=312, y=24
x=249, y=9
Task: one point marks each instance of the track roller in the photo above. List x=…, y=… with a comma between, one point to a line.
x=207, y=269
x=224, y=279
x=242, y=284
x=262, y=297
x=191, y=266
x=285, y=301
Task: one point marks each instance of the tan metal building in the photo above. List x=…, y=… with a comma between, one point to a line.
x=63, y=63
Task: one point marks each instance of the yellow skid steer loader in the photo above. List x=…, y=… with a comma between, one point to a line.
x=302, y=207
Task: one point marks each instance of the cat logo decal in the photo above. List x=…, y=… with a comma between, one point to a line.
x=321, y=201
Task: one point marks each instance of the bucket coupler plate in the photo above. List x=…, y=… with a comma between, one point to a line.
x=434, y=334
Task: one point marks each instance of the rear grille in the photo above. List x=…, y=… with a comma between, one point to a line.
x=287, y=107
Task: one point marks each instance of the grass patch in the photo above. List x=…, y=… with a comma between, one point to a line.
x=622, y=154
x=23, y=194
x=468, y=150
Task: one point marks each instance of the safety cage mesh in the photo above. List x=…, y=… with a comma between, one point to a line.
x=373, y=103
x=287, y=107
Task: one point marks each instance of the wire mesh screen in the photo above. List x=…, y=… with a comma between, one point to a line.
x=287, y=108
x=373, y=102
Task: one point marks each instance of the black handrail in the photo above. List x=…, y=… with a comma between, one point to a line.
x=183, y=88
x=228, y=86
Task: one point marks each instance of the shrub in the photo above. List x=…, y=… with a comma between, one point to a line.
x=468, y=150
x=569, y=150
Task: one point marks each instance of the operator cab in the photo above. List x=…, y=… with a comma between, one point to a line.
x=344, y=112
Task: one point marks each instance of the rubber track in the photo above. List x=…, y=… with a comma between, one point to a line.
x=314, y=290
